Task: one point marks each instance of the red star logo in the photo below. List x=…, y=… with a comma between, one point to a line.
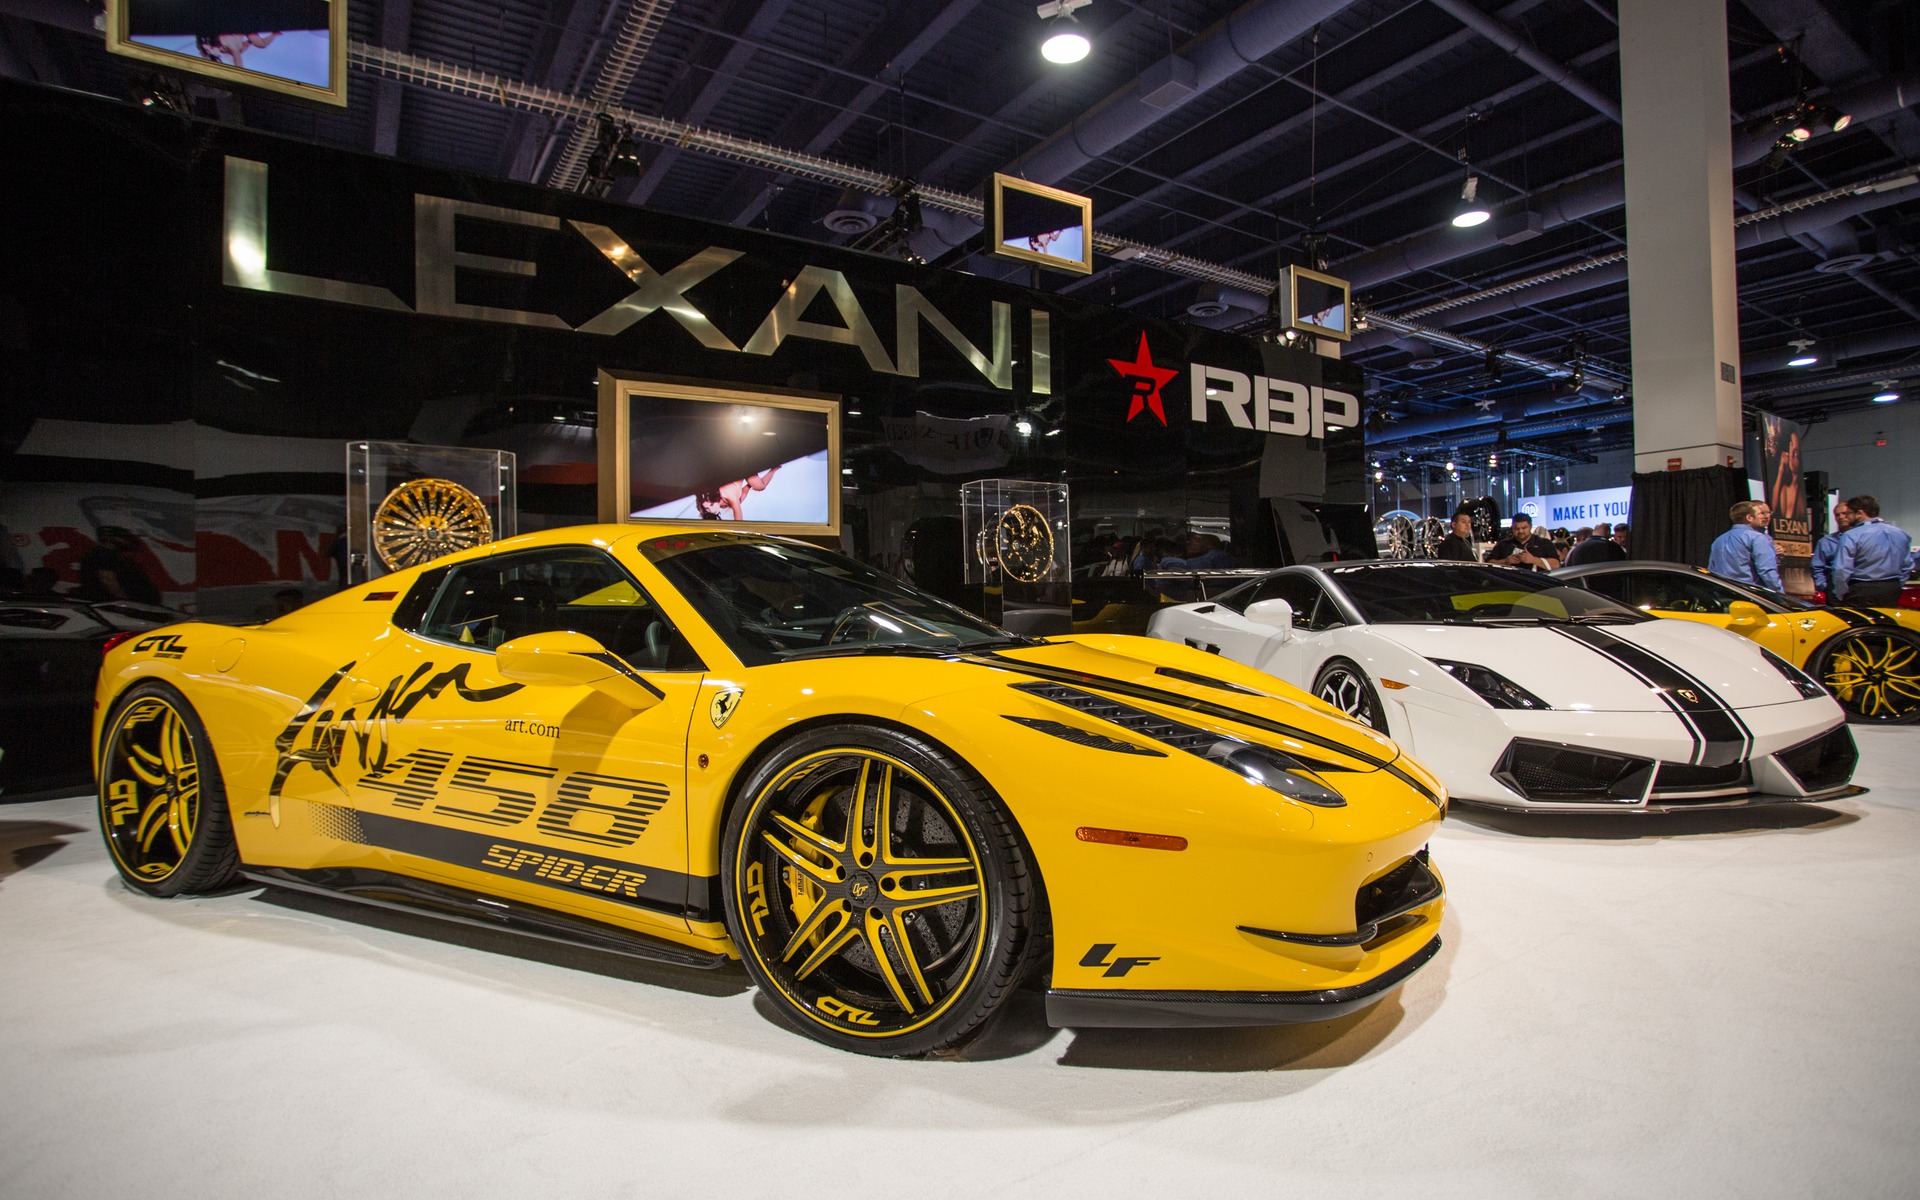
x=1147, y=381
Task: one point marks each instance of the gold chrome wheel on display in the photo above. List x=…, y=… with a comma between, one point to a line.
x=1874, y=674
x=162, y=809
x=425, y=519
x=1023, y=543
x=880, y=910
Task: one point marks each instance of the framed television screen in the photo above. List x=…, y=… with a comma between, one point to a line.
x=1033, y=223
x=687, y=453
x=1318, y=304
x=295, y=48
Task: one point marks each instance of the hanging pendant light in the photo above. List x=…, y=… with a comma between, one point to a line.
x=1471, y=211
x=1065, y=43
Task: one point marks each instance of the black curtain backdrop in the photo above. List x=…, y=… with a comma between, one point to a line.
x=1677, y=514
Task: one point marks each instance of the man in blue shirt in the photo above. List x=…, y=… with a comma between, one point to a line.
x=1745, y=553
x=1872, y=559
x=1828, y=546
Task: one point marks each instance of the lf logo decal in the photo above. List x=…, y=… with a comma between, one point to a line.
x=1097, y=956
x=724, y=702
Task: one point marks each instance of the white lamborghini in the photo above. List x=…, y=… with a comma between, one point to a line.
x=1521, y=692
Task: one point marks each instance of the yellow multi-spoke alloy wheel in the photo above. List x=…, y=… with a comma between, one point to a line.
x=425, y=519
x=877, y=894
x=1874, y=674
x=162, y=809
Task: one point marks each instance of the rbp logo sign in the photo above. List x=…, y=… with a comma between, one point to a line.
x=1273, y=405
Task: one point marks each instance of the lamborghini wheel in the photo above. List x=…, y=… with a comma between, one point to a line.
x=163, y=809
x=1873, y=673
x=1345, y=686
x=877, y=890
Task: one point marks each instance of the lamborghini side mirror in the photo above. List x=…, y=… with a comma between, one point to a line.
x=1748, y=618
x=1275, y=614
x=561, y=659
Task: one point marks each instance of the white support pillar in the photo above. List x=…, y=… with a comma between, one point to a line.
x=1681, y=289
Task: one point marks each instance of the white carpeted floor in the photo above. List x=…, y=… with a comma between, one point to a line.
x=1715, y=1005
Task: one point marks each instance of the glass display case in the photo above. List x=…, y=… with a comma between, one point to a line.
x=1018, y=558
x=409, y=504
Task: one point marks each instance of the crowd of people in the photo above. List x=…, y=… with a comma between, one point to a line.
x=1862, y=562
x=1522, y=546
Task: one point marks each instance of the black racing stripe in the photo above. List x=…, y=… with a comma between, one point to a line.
x=1134, y=691
x=571, y=871
x=1861, y=618
x=1721, y=738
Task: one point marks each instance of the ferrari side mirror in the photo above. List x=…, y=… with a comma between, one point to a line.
x=562, y=659
x=1748, y=618
x=1275, y=614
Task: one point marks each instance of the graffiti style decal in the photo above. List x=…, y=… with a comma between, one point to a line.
x=328, y=731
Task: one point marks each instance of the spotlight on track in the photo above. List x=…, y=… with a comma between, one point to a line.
x=1065, y=44
x=1471, y=211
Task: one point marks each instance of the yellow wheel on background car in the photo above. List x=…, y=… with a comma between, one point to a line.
x=1873, y=673
x=163, y=810
x=877, y=891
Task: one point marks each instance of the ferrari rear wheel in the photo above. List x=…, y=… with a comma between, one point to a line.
x=878, y=891
x=1874, y=674
x=163, y=808
x=1346, y=687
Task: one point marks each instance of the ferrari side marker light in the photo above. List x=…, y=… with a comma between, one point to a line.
x=1123, y=837
x=1394, y=684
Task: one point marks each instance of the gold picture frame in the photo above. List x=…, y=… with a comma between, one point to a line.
x=1300, y=318
x=617, y=391
x=334, y=93
x=997, y=191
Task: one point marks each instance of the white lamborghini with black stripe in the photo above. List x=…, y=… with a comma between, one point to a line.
x=1522, y=692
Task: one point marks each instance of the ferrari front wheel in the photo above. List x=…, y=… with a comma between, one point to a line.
x=163, y=808
x=1346, y=687
x=877, y=891
x=1873, y=673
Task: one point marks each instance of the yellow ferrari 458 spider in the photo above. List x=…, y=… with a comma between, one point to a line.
x=1869, y=658
x=699, y=745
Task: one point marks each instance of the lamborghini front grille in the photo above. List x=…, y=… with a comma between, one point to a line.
x=1824, y=763
x=1549, y=771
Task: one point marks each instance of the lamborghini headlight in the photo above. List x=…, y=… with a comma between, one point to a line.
x=1491, y=686
x=1272, y=769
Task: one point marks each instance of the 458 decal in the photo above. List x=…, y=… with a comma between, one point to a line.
x=581, y=806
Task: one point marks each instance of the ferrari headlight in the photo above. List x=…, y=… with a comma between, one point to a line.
x=1809, y=688
x=1272, y=769
x=1491, y=686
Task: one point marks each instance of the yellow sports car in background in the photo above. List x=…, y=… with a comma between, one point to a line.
x=1869, y=658
x=696, y=745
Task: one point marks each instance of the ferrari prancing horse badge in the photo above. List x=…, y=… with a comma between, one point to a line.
x=724, y=702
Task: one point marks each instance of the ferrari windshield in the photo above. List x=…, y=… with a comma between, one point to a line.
x=1462, y=594
x=775, y=600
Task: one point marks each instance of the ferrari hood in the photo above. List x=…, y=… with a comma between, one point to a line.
x=1610, y=668
x=1198, y=690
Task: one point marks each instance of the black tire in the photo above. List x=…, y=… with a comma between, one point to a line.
x=821, y=924
x=163, y=805
x=1344, y=685
x=1873, y=673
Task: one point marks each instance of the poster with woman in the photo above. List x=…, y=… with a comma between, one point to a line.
x=1786, y=492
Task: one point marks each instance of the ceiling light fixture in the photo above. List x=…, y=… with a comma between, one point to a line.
x=1886, y=395
x=1066, y=44
x=1471, y=212
x=1803, y=353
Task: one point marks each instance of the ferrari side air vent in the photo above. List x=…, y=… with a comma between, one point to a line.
x=1085, y=737
x=1136, y=720
x=1825, y=762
